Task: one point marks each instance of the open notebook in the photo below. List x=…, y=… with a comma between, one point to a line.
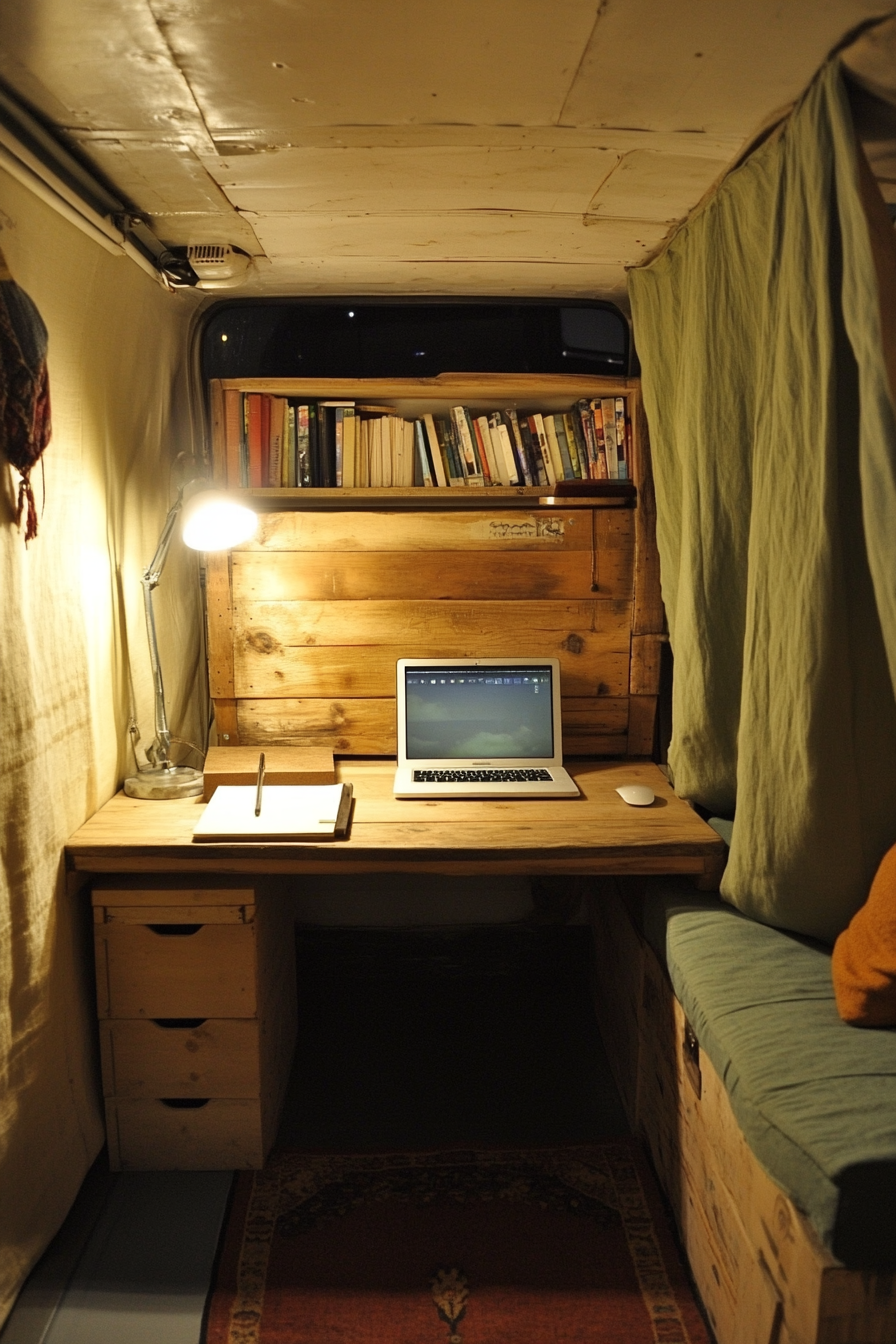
x=288, y=812
x=480, y=728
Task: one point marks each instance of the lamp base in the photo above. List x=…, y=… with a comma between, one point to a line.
x=175, y=781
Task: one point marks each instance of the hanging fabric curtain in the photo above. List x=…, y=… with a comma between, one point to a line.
x=24, y=390
x=773, y=434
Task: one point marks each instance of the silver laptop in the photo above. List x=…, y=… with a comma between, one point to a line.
x=480, y=728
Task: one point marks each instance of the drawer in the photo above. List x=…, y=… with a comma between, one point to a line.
x=181, y=1057
x=154, y=1135
x=175, y=970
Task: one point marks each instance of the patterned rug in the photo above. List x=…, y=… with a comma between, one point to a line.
x=534, y=1246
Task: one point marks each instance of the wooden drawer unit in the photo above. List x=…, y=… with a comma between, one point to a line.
x=196, y=1000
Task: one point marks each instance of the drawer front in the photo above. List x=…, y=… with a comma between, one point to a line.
x=175, y=970
x=148, y=1135
x=215, y=1057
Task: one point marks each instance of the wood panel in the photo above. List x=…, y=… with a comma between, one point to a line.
x=495, y=529
x=371, y=671
x=488, y=629
x=427, y=575
x=592, y=725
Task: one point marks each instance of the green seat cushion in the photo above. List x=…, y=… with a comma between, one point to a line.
x=814, y=1097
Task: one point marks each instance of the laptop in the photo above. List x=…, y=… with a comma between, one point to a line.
x=480, y=728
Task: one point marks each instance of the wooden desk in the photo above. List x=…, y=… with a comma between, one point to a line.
x=194, y=960
x=597, y=833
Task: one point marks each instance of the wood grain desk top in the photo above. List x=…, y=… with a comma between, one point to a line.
x=596, y=833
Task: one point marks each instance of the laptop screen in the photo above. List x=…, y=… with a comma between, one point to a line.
x=460, y=713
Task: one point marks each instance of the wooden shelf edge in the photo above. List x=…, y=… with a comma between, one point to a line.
x=616, y=494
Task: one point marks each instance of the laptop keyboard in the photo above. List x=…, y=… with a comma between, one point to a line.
x=481, y=776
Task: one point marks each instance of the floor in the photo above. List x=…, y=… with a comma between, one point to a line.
x=406, y=1040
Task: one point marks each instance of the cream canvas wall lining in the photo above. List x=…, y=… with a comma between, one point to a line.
x=121, y=412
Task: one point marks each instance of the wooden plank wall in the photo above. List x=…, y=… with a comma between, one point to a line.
x=307, y=621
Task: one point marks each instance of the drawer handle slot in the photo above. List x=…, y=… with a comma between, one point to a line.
x=171, y=1023
x=184, y=1103
x=174, y=930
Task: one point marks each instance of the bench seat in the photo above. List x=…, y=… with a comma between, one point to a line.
x=814, y=1097
x=771, y=1123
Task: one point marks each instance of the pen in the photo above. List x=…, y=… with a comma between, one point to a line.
x=260, y=785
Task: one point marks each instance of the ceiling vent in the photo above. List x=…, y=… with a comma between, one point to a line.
x=218, y=265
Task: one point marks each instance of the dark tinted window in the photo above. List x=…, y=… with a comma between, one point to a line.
x=346, y=339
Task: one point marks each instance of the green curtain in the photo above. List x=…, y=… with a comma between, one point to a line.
x=774, y=443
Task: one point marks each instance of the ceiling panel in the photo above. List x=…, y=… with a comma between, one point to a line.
x=435, y=178
x=393, y=146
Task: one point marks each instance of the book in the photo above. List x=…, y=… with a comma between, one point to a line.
x=265, y=440
x=504, y=449
x=563, y=447
x=435, y=451
x=470, y=460
x=576, y=450
x=621, y=445
x=275, y=442
x=600, y=447
x=483, y=438
x=349, y=446
x=608, y=413
x=447, y=437
x=423, y=476
x=517, y=440
x=314, y=467
x=587, y=422
x=288, y=811
x=253, y=438
x=232, y=436
x=540, y=443
x=292, y=448
x=303, y=447
x=550, y=430
x=531, y=452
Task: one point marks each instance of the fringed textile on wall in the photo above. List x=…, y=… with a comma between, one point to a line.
x=774, y=443
x=24, y=389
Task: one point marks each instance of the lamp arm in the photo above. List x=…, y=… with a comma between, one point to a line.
x=159, y=751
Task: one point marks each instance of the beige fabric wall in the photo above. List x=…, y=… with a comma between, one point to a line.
x=118, y=380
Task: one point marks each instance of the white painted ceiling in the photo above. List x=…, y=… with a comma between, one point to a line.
x=482, y=147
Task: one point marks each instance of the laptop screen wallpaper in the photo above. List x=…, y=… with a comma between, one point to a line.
x=458, y=713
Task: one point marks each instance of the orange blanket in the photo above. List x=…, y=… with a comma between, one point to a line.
x=864, y=960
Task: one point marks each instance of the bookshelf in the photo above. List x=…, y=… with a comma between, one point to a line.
x=307, y=620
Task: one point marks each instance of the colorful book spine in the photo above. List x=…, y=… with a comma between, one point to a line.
x=562, y=447
x=540, y=443
x=576, y=450
x=435, y=451
x=512, y=419
x=425, y=470
x=253, y=439
x=232, y=437
x=608, y=412
x=292, y=447
x=472, y=468
x=621, y=444
x=504, y=449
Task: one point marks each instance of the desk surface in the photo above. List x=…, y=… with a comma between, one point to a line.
x=596, y=833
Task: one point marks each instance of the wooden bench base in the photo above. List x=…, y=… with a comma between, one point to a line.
x=762, y=1272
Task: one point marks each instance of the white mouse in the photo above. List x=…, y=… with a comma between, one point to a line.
x=636, y=795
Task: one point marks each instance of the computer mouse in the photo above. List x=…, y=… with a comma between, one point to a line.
x=636, y=795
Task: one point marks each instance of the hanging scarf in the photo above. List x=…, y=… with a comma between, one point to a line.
x=24, y=389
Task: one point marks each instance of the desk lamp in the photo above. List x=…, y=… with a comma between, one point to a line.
x=211, y=521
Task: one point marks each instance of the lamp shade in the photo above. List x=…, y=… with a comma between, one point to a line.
x=214, y=521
